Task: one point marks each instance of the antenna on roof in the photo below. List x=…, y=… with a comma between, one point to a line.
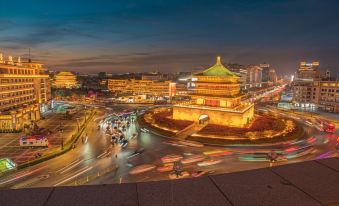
x=29, y=55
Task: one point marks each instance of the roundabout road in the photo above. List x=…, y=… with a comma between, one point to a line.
x=91, y=158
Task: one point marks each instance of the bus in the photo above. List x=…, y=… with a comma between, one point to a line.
x=328, y=127
x=34, y=141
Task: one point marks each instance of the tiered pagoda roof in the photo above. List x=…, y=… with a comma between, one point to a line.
x=218, y=70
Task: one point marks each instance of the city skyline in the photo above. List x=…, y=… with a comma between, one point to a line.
x=169, y=37
x=182, y=102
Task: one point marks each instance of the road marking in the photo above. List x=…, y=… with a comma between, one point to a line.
x=143, y=179
x=8, y=143
x=103, y=154
x=30, y=182
x=71, y=167
x=72, y=164
x=74, y=176
x=21, y=175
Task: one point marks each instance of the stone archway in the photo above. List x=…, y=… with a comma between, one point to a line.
x=203, y=118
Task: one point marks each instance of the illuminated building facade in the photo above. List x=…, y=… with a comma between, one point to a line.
x=303, y=85
x=216, y=97
x=313, y=90
x=140, y=87
x=327, y=95
x=24, y=93
x=65, y=80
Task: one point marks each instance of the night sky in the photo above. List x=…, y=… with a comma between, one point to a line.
x=172, y=35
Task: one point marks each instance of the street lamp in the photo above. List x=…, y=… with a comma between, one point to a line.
x=61, y=130
x=78, y=123
x=272, y=157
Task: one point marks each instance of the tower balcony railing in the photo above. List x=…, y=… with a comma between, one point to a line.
x=238, y=109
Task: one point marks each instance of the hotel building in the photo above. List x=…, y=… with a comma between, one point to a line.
x=24, y=93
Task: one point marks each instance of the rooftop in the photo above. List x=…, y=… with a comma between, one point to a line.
x=218, y=70
x=312, y=183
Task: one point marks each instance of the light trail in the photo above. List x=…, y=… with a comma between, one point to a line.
x=82, y=171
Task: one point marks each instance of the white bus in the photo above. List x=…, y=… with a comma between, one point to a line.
x=34, y=141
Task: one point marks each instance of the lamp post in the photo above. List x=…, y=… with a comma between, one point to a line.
x=62, y=139
x=78, y=123
x=85, y=111
x=272, y=157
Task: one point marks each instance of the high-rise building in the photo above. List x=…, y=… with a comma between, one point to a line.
x=24, y=93
x=265, y=72
x=303, y=85
x=254, y=76
x=242, y=72
x=307, y=70
x=272, y=76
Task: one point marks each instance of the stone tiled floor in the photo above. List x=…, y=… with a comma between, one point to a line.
x=309, y=183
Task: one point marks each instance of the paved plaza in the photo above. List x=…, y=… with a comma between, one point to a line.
x=9, y=142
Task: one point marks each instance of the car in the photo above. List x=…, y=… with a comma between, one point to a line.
x=144, y=130
x=209, y=162
x=124, y=143
x=165, y=168
x=218, y=153
x=193, y=159
x=171, y=158
x=183, y=174
x=135, y=135
x=191, y=143
x=141, y=169
x=174, y=143
x=200, y=173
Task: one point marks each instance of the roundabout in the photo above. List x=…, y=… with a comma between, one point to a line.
x=264, y=129
x=149, y=156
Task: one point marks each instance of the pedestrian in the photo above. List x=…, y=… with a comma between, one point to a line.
x=116, y=156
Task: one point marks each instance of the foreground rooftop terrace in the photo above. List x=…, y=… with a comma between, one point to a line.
x=312, y=183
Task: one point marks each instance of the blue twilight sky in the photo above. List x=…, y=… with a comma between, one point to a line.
x=171, y=35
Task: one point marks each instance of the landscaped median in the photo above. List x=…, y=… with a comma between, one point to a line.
x=264, y=130
x=67, y=146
